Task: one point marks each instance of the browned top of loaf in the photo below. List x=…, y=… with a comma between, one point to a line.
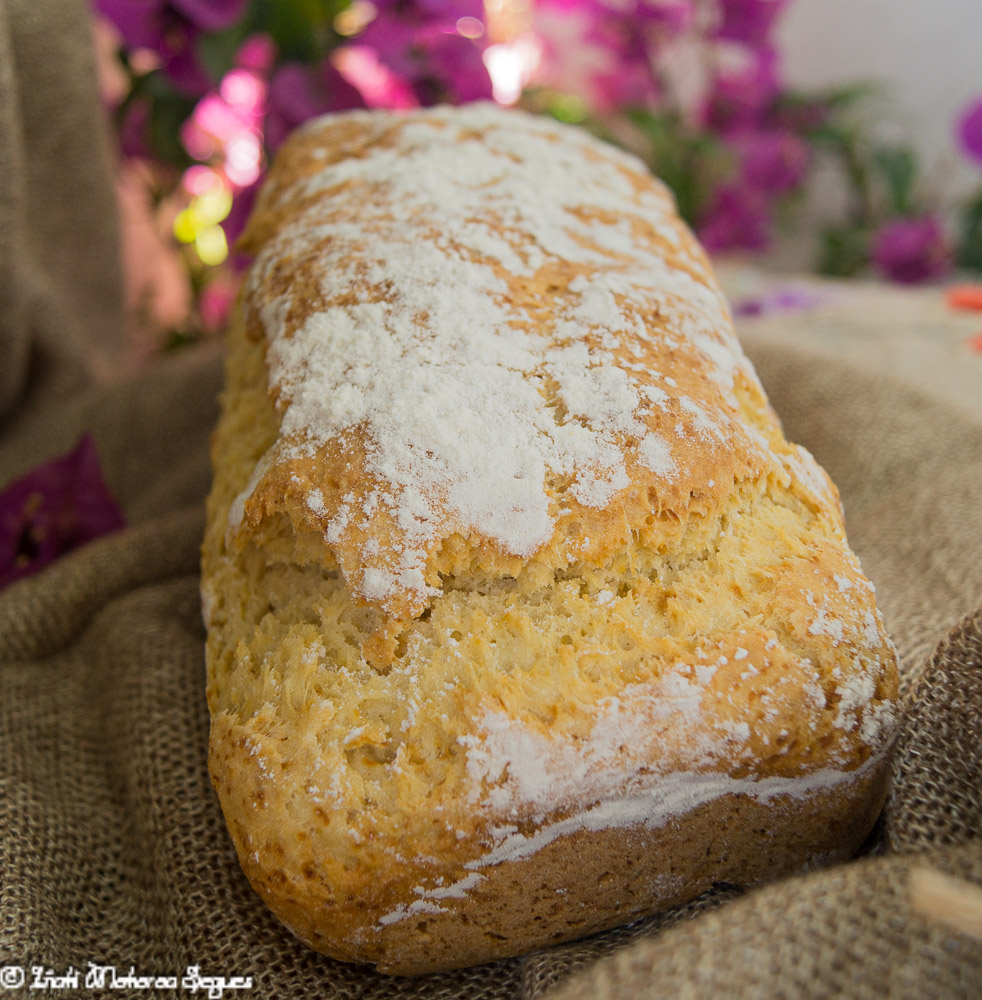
x=495, y=350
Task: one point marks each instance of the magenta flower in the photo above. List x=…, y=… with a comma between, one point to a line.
x=298, y=93
x=170, y=28
x=970, y=131
x=772, y=161
x=741, y=98
x=449, y=66
x=57, y=507
x=738, y=219
x=434, y=46
x=215, y=304
x=142, y=23
x=234, y=223
x=748, y=21
x=134, y=131
x=211, y=15
x=602, y=51
x=912, y=250
x=138, y=21
x=180, y=61
x=257, y=53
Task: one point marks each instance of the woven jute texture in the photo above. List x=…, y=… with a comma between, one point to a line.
x=112, y=846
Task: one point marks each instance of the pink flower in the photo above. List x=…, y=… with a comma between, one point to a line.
x=911, y=250
x=378, y=86
x=970, y=131
x=215, y=304
x=257, y=53
x=738, y=219
x=58, y=506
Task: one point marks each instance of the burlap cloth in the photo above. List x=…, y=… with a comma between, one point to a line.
x=112, y=846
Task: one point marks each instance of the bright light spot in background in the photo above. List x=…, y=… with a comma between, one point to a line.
x=199, y=222
x=243, y=159
x=355, y=18
x=226, y=130
x=510, y=66
x=210, y=208
x=243, y=89
x=198, y=180
x=184, y=228
x=376, y=83
x=469, y=27
x=211, y=246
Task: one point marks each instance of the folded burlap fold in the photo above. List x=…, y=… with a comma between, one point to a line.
x=112, y=847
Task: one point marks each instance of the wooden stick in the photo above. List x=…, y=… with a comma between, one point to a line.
x=953, y=902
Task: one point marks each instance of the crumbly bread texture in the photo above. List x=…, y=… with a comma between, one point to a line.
x=523, y=617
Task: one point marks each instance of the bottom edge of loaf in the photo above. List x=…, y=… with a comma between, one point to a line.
x=588, y=880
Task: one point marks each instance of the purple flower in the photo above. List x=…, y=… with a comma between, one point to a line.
x=170, y=28
x=449, y=66
x=772, y=161
x=431, y=46
x=134, y=131
x=970, y=131
x=742, y=97
x=143, y=23
x=910, y=250
x=180, y=61
x=748, y=21
x=738, y=219
x=298, y=93
x=790, y=298
x=601, y=51
x=234, y=224
x=138, y=21
x=55, y=508
x=211, y=15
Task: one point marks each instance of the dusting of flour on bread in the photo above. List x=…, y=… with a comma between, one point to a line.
x=472, y=401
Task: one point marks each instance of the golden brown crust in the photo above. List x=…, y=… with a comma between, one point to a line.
x=576, y=884
x=686, y=674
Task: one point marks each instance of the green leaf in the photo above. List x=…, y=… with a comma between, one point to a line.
x=301, y=29
x=691, y=163
x=898, y=168
x=568, y=108
x=840, y=98
x=844, y=251
x=968, y=253
x=217, y=51
x=168, y=112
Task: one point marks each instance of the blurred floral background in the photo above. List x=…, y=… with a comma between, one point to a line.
x=202, y=92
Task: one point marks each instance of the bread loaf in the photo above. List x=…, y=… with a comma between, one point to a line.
x=524, y=619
